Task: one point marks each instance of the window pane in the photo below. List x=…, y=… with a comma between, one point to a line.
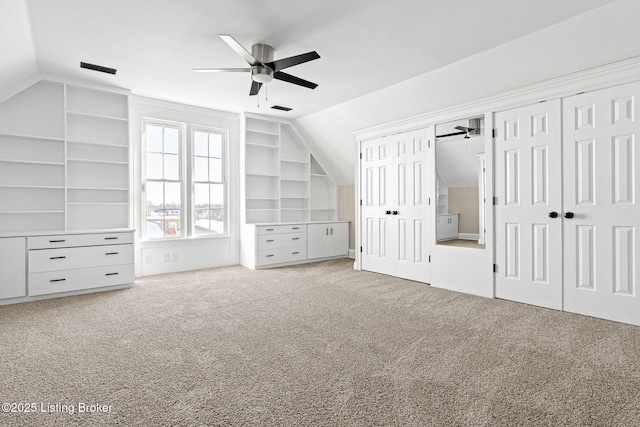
x=171, y=166
x=171, y=140
x=215, y=168
x=154, y=138
x=201, y=194
x=172, y=200
x=217, y=195
x=172, y=222
x=155, y=196
x=201, y=166
x=154, y=166
x=215, y=145
x=200, y=147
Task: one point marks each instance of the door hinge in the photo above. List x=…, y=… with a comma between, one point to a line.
x=429, y=201
x=429, y=258
x=360, y=202
x=360, y=249
x=361, y=155
x=495, y=200
x=494, y=133
x=428, y=143
x=495, y=268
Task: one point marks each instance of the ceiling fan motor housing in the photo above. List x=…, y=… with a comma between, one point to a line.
x=263, y=53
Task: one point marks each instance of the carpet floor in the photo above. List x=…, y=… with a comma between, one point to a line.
x=312, y=345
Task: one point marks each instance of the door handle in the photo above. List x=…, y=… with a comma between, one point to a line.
x=553, y=214
x=568, y=215
x=387, y=212
x=394, y=213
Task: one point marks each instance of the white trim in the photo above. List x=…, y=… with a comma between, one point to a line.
x=184, y=109
x=468, y=236
x=352, y=253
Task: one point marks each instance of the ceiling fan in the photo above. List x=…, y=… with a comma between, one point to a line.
x=263, y=67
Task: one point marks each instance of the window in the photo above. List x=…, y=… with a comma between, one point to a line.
x=163, y=184
x=184, y=198
x=208, y=183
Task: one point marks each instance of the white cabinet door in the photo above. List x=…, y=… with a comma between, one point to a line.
x=327, y=240
x=528, y=186
x=601, y=196
x=394, y=211
x=12, y=266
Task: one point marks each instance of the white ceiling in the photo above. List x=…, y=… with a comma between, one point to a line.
x=364, y=45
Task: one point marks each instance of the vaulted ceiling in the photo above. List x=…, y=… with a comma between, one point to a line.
x=364, y=45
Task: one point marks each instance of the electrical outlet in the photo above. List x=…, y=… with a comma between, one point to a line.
x=165, y=257
x=174, y=256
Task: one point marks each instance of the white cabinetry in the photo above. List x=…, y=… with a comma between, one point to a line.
x=273, y=245
x=12, y=268
x=63, y=264
x=327, y=240
x=447, y=227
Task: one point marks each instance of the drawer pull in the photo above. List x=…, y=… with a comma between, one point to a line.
x=111, y=253
x=270, y=240
x=57, y=280
x=57, y=257
x=295, y=228
x=295, y=238
x=295, y=253
x=269, y=229
x=112, y=274
x=269, y=256
x=110, y=238
x=57, y=241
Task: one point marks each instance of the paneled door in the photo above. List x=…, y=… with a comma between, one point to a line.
x=601, y=196
x=527, y=213
x=394, y=211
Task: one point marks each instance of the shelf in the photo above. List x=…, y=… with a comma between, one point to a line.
x=319, y=175
x=262, y=198
x=263, y=174
x=97, y=188
x=262, y=210
x=22, y=136
x=264, y=132
x=57, y=187
x=294, y=197
x=98, y=116
x=256, y=144
x=103, y=144
x=97, y=203
x=109, y=162
x=294, y=180
x=322, y=209
x=294, y=209
x=30, y=212
x=302, y=162
x=32, y=162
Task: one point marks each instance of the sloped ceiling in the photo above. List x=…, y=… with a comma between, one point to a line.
x=365, y=46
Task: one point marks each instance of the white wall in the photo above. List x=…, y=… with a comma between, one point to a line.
x=598, y=37
x=17, y=52
x=164, y=256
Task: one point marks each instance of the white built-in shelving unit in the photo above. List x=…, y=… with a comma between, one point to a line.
x=64, y=159
x=283, y=181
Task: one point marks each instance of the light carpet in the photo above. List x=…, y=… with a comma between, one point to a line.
x=312, y=345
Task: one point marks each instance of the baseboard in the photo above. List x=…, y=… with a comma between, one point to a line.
x=468, y=236
x=352, y=253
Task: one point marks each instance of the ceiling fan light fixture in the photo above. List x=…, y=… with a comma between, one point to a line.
x=261, y=74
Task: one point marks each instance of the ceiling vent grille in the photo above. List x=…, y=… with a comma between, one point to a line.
x=280, y=107
x=100, y=68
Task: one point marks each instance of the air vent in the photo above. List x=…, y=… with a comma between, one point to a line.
x=280, y=107
x=100, y=68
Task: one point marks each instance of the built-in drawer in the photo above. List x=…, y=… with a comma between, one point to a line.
x=285, y=240
x=79, y=257
x=71, y=240
x=281, y=255
x=51, y=282
x=279, y=229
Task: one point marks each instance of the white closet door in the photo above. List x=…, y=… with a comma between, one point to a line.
x=395, y=206
x=529, y=190
x=601, y=163
x=376, y=165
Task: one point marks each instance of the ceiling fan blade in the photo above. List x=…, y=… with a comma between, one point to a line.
x=255, y=88
x=293, y=79
x=283, y=63
x=221, y=70
x=237, y=47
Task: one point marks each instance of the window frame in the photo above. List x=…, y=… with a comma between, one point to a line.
x=224, y=133
x=181, y=176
